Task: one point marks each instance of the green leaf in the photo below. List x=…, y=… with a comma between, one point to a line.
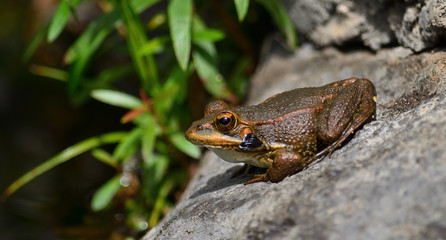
x=60, y=18
x=152, y=176
x=105, y=22
x=84, y=48
x=104, y=157
x=207, y=70
x=141, y=5
x=116, y=98
x=157, y=20
x=242, y=8
x=205, y=61
x=35, y=43
x=282, y=19
x=136, y=39
x=103, y=196
x=160, y=202
x=49, y=72
x=180, y=142
x=211, y=35
x=159, y=167
x=108, y=75
x=238, y=81
x=151, y=131
x=128, y=145
x=180, y=16
x=155, y=45
x=64, y=156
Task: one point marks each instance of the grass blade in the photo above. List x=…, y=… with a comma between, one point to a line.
x=116, y=98
x=180, y=16
x=160, y=202
x=180, y=142
x=211, y=35
x=242, y=8
x=60, y=18
x=136, y=38
x=128, y=145
x=151, y=131
x=62, y=157
x=282, y=19
x=35, y=43
x=205, y=61
x=103, y=196
x=49, y=72
x=105, y=157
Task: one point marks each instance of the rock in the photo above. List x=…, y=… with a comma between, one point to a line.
x=387, y=182
x=418, y=25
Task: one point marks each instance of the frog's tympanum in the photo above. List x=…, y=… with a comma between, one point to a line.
x=287, y=131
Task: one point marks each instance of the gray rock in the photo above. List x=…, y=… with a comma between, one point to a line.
x=387, y=182
x=374, y=23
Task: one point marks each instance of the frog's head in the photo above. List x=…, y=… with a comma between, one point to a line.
x=222, y=128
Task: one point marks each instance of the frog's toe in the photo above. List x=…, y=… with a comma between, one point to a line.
x=256, y=178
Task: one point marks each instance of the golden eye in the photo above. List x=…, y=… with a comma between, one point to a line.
x=225, y=121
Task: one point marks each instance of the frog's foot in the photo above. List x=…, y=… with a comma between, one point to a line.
x=257, y=178
x=242, y=171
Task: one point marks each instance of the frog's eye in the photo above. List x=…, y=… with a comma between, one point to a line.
x=225, y=121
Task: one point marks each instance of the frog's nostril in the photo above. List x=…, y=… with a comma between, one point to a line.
x=200, y=127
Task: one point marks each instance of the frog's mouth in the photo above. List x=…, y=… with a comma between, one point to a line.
x=205, y=135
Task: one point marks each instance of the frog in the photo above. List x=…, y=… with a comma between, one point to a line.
x=288, y=131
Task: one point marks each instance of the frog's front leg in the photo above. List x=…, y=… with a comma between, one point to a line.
x=285, y=163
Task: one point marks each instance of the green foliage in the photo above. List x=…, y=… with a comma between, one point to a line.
x=242, y=8
x=173, y=47
x=180, y=17
x=282, y=19
x=60, y=18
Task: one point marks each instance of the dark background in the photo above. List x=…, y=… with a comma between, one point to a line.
x=37, y=121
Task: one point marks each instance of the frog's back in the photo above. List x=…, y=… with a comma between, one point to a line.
x=284, y=103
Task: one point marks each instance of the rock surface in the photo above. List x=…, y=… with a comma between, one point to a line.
x=387, y=182
x=375, y=23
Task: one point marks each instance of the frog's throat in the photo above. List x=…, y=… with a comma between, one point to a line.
x=258, y=159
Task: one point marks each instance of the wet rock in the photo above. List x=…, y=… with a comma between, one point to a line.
x=387, y=182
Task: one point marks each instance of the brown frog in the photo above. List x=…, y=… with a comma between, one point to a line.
x=287, y=131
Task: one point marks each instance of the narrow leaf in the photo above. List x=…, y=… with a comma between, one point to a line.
x=60, y=19
x=207, y=71
x=155, y=45
x=205, y=61
x=128, y=145
x=212, y=35
x=116, y=98
x=160, y=202
x=103, y=196
x=282, y=19
x=35, y=43
x=150, y=133
x=62, y=157
x=242, y=8
x=105, y=22
x=180, y=142
x=180, y=16
x=136, y=38
x=156, y=21
x=49, y=72
x=104, y=157
x=84, y=52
